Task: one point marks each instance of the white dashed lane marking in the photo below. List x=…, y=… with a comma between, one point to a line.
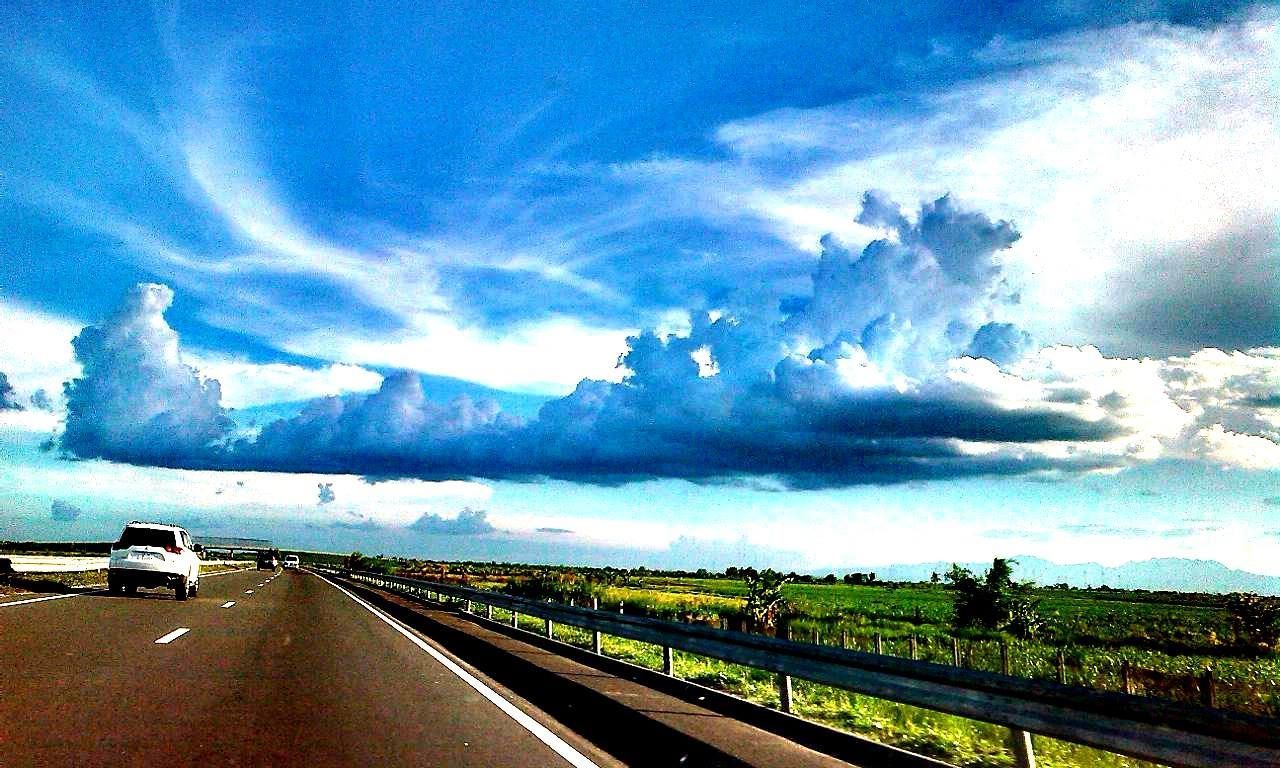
x=248, y=591
x=229, y=603
x=174, y=635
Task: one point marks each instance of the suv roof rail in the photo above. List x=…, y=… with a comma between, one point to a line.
x=152, y=522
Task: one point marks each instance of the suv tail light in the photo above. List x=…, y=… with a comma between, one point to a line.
x=173, y=550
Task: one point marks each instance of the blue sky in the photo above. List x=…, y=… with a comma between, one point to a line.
x=805, y=287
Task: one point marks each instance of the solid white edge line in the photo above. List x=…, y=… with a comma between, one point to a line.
x=174, y=635
x=540, y=731
x=229, y=603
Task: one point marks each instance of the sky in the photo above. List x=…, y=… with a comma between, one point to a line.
x=824, y=287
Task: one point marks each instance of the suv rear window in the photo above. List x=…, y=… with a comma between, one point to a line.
x=145, y=537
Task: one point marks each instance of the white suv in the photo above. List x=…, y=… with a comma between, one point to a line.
x=154, y=555
x=292, y=561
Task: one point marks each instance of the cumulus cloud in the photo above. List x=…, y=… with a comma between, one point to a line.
x=137, y=400
x=8, y=398
x=899, y=364
x=40, y=400
x=468, y=522
x=63, y=511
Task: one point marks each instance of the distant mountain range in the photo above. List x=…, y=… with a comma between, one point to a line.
x=1165, y=573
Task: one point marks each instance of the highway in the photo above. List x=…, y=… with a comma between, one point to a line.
x=290, y=669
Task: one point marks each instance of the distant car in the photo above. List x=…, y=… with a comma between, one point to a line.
x=267, y=560
x=154, y=555
x=292, y=561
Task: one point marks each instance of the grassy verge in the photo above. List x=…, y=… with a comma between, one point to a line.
x=963, y=742
x=65, y=581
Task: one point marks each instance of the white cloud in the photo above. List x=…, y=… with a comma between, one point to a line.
x=1105, y=147
x=547, y=357
x=246, y=384
x=36, y=349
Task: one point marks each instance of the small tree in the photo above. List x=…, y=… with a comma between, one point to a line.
x=994, y=601
x=1255, y=619
x=765, y=602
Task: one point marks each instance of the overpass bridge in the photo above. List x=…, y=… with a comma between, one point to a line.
x=232, y=544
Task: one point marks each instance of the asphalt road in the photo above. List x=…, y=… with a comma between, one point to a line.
x=295, y=673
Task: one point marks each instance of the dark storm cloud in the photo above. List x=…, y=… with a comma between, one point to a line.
x=839, y=415
x=1218, y=294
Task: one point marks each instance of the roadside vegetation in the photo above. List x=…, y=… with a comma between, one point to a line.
x=1148, y=643
x=67, y=581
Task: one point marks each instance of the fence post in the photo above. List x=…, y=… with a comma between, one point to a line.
x=815, y=636
x=1208, y=696
x=1062, y=667
x=844, y=638
x=595, y=633
x=955, y=651
x=1024, y=754
x=879, y=644
x=784, y=692
x=915, y=648
x=668, y=661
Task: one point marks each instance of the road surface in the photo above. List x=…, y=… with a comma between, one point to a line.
x=291, y=672
x=291, y=669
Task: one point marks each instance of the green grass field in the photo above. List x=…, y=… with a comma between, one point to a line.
x=1095, y=631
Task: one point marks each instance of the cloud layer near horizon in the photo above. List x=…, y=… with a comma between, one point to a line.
x=898, y=365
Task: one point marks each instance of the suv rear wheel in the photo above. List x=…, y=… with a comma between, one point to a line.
x=195, y=588
x=180, y=591
x=114, y=586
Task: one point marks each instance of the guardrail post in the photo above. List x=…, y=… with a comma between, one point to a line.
x=784, y=692
x=515, y=620
x=595, y=633
x=1126, y=678
x=915, y=648
x=468, y=606
x=1208, y=696
x=488, y=611
x=1062, y=667
x=551, y=629
x=620, y=606
x=955, y=651
x=844, y=638
x=668, y=661
x=1024, y=754
x=879, y=644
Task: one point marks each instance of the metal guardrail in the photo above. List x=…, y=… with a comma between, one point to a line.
x=1171, y=733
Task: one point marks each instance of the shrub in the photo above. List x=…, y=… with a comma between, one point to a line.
x=994, y=601
x=764, y=598
x=1255, y=619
